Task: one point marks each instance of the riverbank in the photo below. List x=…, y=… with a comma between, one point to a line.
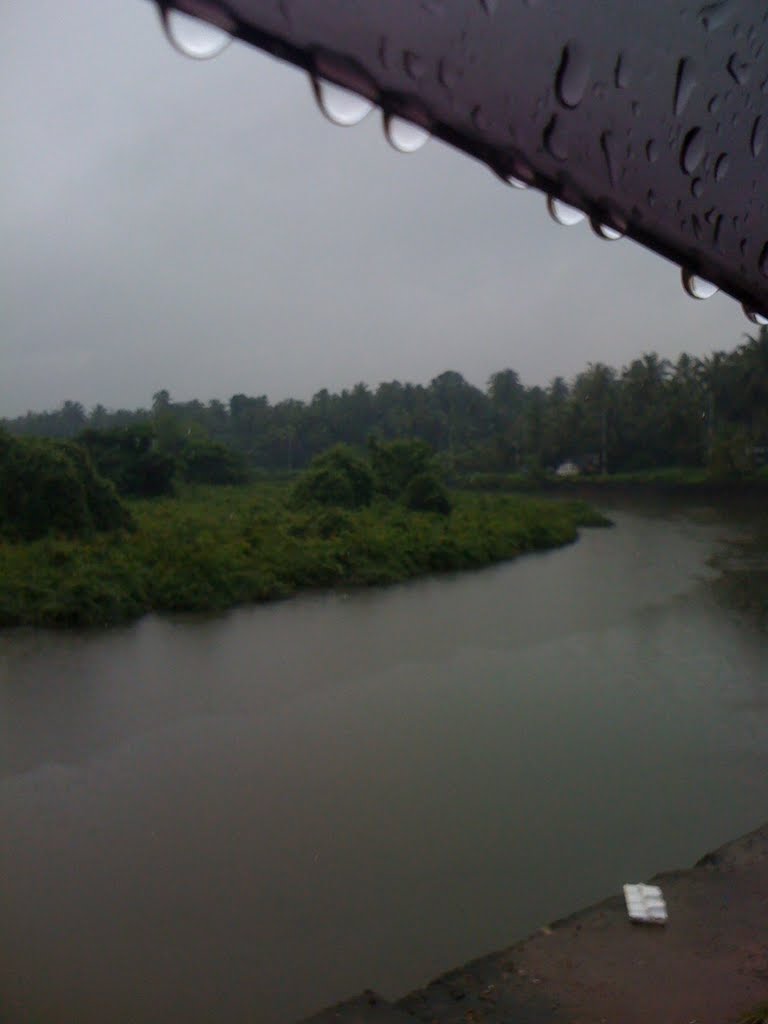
x=694, y=483
x=709, y=964
x=213, y=548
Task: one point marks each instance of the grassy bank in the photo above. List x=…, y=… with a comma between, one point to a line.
x=212, y=548
x=658, y=481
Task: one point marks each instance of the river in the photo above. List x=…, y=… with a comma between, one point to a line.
x=243, y=818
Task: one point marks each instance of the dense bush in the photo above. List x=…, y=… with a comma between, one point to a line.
x=52, y=487
x=425, y=492
x=130, y=458
x=208, y=462
x=337, y=477
x=406, y=470
x=143, y=465
x=396, y=463
x=212, y=548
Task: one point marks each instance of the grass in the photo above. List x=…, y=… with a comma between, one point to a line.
x=671, y=477
x=212, y=548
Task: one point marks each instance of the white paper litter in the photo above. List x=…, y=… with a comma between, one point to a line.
x=645, y=903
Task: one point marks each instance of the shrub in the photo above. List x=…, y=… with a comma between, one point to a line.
x=337, y=477
x=51, y=486
x=208, y=462
x=396, y=463
x=426, y=493
x=129, y=457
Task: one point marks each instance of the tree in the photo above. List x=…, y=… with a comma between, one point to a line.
x=593, y=399
x=425, y=492
x=207, y=462
x=535, y=424
x=250, y=420
x=406, y=470
x=687, y=403
x=648, y=414
x=506, y=392
x=396, y=463
x=337, y=477
x=217, y=420
x=753, y=364
x=555, y=437
x=73, y=418
x=506, y=395
x=99, y=417
x=130, y=458
x=51, y=486
x=161, y=401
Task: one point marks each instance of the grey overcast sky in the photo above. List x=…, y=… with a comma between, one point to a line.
x=200, y=227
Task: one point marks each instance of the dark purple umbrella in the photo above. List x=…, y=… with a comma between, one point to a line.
x=650, y=119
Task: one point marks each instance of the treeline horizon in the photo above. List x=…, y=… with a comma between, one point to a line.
x=694, y=412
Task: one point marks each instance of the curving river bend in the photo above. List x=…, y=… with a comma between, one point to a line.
x=245, y=818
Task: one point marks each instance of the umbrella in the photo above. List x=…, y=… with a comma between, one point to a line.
x=650, y=120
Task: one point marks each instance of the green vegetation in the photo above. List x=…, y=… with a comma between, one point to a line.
x=211, y=548
x=708, y=414
x=338, y=477
x=363, y=496
x=145, y=460
x=202, y=461
x=425, y=493
x=404, y=470
x=671, y=479
x=348, y=520
x=397, y=463
x=51, y=486
x=128, y=456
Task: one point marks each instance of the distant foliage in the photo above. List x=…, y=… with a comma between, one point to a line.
x=337, y=477
x=130, y=458
x=649, y=414
x=52, y=487
x=144, y=460
x=207, y=462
